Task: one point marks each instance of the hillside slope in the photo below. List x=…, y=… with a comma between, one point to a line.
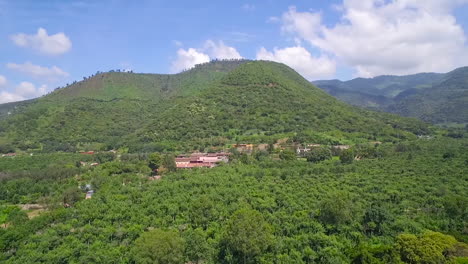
x=10, y=108
x=444, y=102
x=431, y=97
x=208, y=106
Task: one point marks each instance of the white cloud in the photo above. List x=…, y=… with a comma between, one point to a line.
x=6, y=97
x=387, y=37
x=51, y=74
x=3, y=81
x=29, y=90
x=42, y=42
x=23, y=91
x=186, y=59
x=301, y=60
x=221, y=51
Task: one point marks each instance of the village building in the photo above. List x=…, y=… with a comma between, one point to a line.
x=9, y=155
x=302, y=151
x=201, y=160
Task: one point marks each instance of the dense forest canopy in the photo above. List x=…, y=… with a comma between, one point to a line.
x=400, y=203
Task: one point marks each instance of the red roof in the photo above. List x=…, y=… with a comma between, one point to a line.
x=182, y=159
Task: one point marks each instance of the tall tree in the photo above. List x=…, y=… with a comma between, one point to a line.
x=247, y=235
x=159, y=247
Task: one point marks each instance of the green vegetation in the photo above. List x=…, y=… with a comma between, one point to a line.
x=400, y=200
x=207, y=107
x=401, y=203
x=431, y=97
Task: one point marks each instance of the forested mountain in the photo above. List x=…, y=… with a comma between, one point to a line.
x=211, y=104
x=431, y=97
x=444, y=102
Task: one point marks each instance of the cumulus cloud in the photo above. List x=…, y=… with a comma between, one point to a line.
x=36, y=71
x=43, y=43
x=187, y=58
x=6, y=97
x=301, y=60
x=3, y=81
x=387, y=37
x=221, y=51
x=29, y=90
x=22, y=91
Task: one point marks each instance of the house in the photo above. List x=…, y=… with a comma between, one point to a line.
x=302, y=151
x=89, y=194
x=9, y=155
x=314, y=145
x=87, y=152
x=197, y=160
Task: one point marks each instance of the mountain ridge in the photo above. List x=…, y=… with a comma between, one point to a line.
x=255, y=101
x=423, y=95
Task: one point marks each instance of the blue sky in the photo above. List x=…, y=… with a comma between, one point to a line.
x=45, y=44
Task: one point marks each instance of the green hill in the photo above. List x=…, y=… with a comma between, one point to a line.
x=431, y=97
x=444, y=102
x=211, y=105
x=10, y=108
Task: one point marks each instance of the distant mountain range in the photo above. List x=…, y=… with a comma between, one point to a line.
x=210, y=105
x=432, y=97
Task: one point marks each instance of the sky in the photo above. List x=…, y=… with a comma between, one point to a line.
x=47, y=44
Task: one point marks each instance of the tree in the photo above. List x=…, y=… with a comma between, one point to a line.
x=374, y=219
x=154, y=161
x=347, y=156
x=318, y=154
x=168, y=163
x=72, y=195
x=336, y=209
x=247, y=235
x=287, y=155
x=197, y=249
x=201, y=212
x=431, y=247
x=159, y=247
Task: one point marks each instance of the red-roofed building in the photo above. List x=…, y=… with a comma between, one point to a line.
x=198, y=160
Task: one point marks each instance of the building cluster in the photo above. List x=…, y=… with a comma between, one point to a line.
x=201, y=160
